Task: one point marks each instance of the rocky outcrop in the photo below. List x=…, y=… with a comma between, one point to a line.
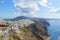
x=38, y=30
x=25, y=29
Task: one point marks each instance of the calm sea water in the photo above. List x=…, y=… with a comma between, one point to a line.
x=54, y=29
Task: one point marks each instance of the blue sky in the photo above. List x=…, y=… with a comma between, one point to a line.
x=31, y=8
x=6, y=8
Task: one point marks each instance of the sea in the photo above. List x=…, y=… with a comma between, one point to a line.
x=54, y=29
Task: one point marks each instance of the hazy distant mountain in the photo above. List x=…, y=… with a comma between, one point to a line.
x=8, y=19
x=41, y=20
x=17, y=18
x=20, y=17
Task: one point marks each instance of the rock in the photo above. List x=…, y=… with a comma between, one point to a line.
x=26, y=29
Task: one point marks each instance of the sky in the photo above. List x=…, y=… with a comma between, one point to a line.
x=30, y=8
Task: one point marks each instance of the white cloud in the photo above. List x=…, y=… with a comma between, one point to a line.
x=44, y=3
x=26, y=4
x=28, y=7
x=54, y=9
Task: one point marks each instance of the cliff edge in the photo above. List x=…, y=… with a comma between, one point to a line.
x=24, y=29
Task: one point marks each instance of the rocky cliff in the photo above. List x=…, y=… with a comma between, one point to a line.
x=25, y=29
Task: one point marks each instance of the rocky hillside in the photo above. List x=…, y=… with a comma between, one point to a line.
x=24, y=29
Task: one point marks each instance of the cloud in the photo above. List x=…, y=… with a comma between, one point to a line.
x=28, y=7
x=54, y=10
x=52, y=6
x=56, y=16
x=43, y=3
